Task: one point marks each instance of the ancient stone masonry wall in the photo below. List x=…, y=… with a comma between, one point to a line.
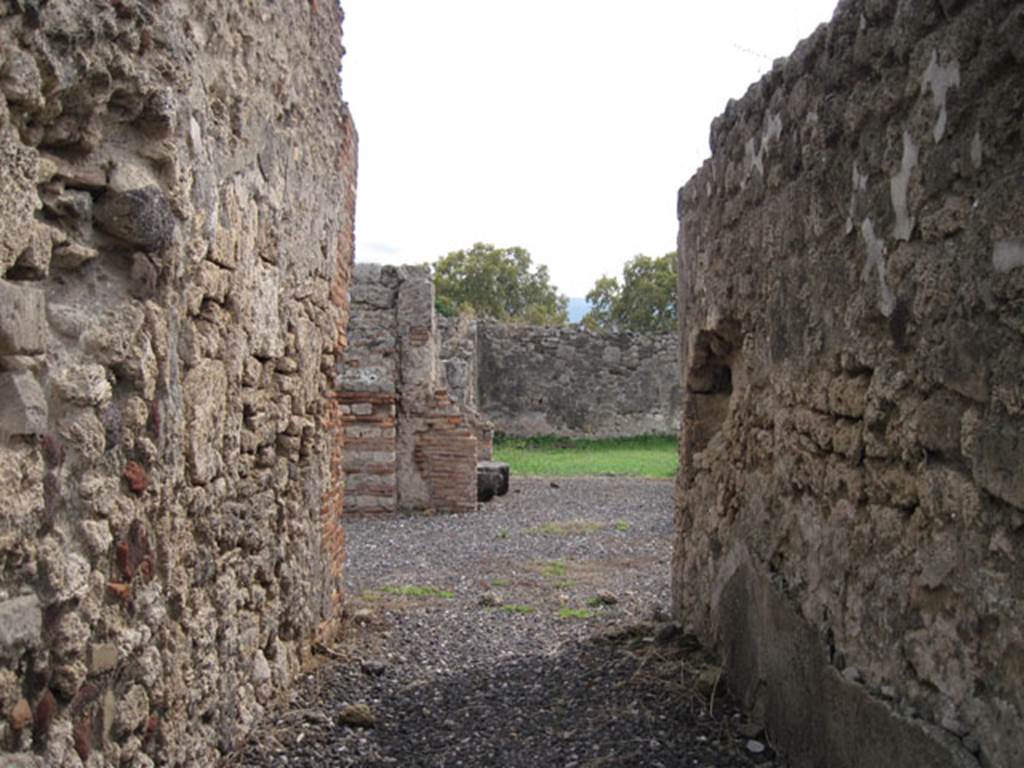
x=409, y=445
x=458, y=351
x=175, y=231
x=851, y=532
x=534, y=381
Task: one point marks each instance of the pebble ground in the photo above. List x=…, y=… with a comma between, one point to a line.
x=532, y=633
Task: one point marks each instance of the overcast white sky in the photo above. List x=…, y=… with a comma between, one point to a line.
x=562, y=126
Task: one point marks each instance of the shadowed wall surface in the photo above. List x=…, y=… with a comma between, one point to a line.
x=852, y=293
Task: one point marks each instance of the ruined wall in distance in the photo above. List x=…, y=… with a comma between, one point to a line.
x=176, y=190
x=851, y=532
x=409, y=445
x=535, y=381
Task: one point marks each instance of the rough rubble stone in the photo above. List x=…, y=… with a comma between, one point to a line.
x=142, y=217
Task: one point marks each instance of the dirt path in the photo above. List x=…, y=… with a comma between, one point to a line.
x=532, y=633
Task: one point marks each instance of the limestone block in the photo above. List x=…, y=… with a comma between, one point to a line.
x=111, y=337
x=365, y=274
x=21, y=625
x=261, y=313
x=612, y=356
x=22, y=319
x=84, y=430
x=205, y=395
x=132, y=710
x=23, y=408
x=999, y=457
x=373, y=295
x=102, y=658
x=20, y=80
x=83, y=384
x=65, y=574
x=34, y=261
x=18, y=201
x=21, y=760
x=371, y=378
x=848, y=396
x=938, y=423
x=142, y=217
x=74, y=209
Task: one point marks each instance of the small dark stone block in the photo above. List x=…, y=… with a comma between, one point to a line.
x=142, y=217
x=491, y=479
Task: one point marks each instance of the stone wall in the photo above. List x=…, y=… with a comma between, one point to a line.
x=175, y=230
x=409, y=445
x=458, y=351
x=851, y=532
x=534, y=381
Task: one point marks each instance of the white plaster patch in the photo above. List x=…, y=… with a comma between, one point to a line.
x=1008, y=255
x=752, y=159
x=940, y=78
x=977, y=152
x=771, y=132
x=195, y=136
x=899, y=185
x=860, y=184
x=876, y=261
x=772, y=129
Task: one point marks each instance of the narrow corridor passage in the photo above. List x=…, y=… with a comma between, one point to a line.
x=532, y=633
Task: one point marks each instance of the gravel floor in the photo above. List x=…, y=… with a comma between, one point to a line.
x=532, y=633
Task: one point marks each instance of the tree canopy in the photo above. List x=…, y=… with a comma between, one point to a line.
x=644, y=301
x=500, y=283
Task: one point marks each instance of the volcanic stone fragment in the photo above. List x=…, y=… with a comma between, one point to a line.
x=142, y=217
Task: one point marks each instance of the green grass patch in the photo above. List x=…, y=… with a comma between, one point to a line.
x=566, y=528
x=515, y=608
x=500, y=582
x=623, y=525
x=652, y=456
x=553, y=569
x=575, y=613
x=416, y=590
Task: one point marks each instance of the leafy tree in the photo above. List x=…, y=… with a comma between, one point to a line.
x=644, y=301
x=500, y=283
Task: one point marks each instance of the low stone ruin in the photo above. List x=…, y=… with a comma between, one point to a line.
x=851, y=529
x=408, y=445
x=532, y=381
